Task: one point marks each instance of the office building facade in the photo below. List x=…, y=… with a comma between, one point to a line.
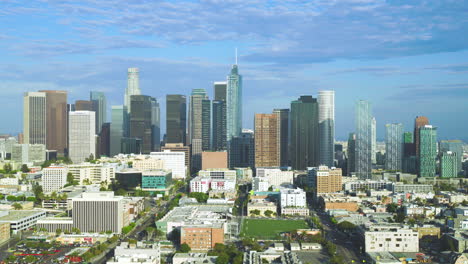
x=82, y=140
x=242, y=150
x=363, y=149
x=56, y=121
x=267, y=140
x=283, y=115
x=427, y=151
x=176, y=118
x=34, y=118
x=304, y=133
x=141, y=121
x=326, y=119
x=394, y=147
x=99, y=104
x=118, y=128
x=133, y=87
x=233, y=104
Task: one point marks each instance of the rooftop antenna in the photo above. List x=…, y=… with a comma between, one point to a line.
x=236, y=56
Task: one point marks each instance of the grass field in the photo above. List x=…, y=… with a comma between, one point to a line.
x=269, y=229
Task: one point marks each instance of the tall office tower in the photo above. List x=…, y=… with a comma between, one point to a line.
x=133, y=87
x=267, y=140
x=98, y=212
x=34, y=118
x=409, y=144
x=82, y=138
x=219, y=125
x=219, y=116
x=304, y=133
x=284, y=135
x=176, y=118
x=233, y=104
x=99, y=102
x=326, y=104
x=363, y=150
x=419, y=122
x=83, y=105
x=156, y=124
x=351, y=152
x=394, y=144
x=427, y=151
x=409, y=155
x=118, y=128
x=57, y=121
x=449, y=164
x=242, y=150
x=141, y=121
x=199, y=117
x=374, y=141
x=455, y=146
x=104, y=140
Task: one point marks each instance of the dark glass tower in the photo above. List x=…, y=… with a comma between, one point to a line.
x=140, y=121
x=304, y=133
x=242, y=151
x=206, y=124
x=176, y=118
x=219, y=116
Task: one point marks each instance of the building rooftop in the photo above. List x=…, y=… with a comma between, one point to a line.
x=14, y=215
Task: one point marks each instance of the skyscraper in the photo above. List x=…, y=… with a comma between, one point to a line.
x=427, y=151
x=233, y=104
x=351, y=151
x=448, y=164
x=455, y=146
x=267, y=140
x=118, y=128
x=394, y=144
x=176, y=118
x=104, y=140
x=84, y=105
x=199, y=117
x=156, y=124
x=141, y=121
x=82, y=138
x=219, y=116
x=363, y=150
x=326, y=104
x=242, y=150
x=374, y=141
x=99, y=102
x=34, y=118
x=283, y=115
x=206, y=124
x=56, y=121
x=304, y=133
x=419, y=122
x=133, y=86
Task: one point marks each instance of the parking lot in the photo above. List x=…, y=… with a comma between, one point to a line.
x=36, y=252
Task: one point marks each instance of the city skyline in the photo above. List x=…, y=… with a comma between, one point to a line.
x=387, y=66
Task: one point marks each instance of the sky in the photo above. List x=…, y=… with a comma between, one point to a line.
x=408, y=58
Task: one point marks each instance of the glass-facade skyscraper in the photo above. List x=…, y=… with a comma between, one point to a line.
x=176, y=118
x=219, y=116
x=394, y=145
x=118, y=128
x=99, y=106
x=242, y=150
x=133, y=86
x=448, y=165
x=304, y=133
x=455, y=146
x=427, y=151
x=363, y=150
x=326, y=119
x=233, y=104
x=284, y=135
x=156, y=124
x=141, y=126
x=351, y=151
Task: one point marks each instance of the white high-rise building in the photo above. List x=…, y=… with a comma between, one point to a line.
x=326, y=117
x=394, y=143
x=98, y=212
x=82, y=138
x=133, y=86
x=54, y=178
x=34, y=118
x=233, y=104
x=174, y=161
x=374, y=141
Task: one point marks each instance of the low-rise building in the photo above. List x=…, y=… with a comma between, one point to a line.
x=51, y=224
x=391, y=239
x=193, y=258
x=141, y=253
x=20, y=220
x=4, y=232
x=324, y=179
x=275, y=176
x=400, y=187
x=331, y=202
x=202, y=237
x=54, y=178
x=156, y=180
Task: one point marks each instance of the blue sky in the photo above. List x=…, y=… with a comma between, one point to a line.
x=408, y=58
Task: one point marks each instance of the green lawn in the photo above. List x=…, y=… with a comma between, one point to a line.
x=269, y=229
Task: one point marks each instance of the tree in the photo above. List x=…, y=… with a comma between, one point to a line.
x=53, y=196
x=346, y=226
x=184, y=248
x=222, y=259
x=7, y=168
x=392, y=207
x=201, y=197
x=17, y=206
x=150, y=231
x=58, y=231
x=268, y=213
x=71, y=179
x=38, y=193
x=255, y=212
x=24, y=168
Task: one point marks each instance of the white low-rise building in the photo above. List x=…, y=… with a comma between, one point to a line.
x=21, y=219
x=276, y=177
x=204, y=184
x=391, y=239
x=293, y=198
x=94, y=173
x=260, y=184
x=141, y=253
x=174, y=161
